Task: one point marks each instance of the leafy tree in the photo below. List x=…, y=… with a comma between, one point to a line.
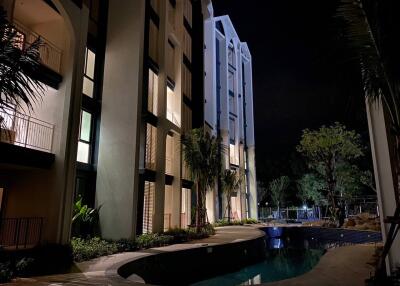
x=277, y=188
x=324, y=150
x=18, y=63
x=231, y=181
x=311, y=188
x=201, y=153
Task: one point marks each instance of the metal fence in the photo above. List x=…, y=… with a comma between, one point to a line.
x=299, y=214
x=20, y=232
x=26, y=131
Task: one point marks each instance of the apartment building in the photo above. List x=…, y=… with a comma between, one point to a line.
x=228, y=113
x=124, y=80
x=38, y=157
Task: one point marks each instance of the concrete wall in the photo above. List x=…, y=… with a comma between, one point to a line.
x=383, y=175
x=117, y=170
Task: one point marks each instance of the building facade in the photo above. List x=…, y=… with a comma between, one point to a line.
x=228, y=113
x=123, y=81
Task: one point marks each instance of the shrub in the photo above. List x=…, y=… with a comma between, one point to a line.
x=92, y=248
x=249, y=221
x=6, y=273
x=179, y=234
x=153, y=240
x=126, y=245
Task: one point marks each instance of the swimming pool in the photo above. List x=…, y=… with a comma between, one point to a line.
x=282, y=261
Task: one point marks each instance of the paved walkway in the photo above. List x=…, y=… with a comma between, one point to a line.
x=341, y=266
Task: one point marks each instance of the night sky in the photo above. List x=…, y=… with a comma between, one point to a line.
x=301, y=77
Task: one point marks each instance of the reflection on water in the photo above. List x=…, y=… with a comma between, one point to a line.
x=280, y=263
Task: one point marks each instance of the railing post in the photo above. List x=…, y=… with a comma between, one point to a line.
x=16, y=235
x=27, y=130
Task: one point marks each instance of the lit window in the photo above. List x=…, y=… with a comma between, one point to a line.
x=152, y=93
x=88, y=77
x=173, y=107
x=85, y=131
x=151, y=140
x=169, y=155
x=231, y=81
x=148, y=206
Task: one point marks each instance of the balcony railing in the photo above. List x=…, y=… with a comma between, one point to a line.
x=50, y=55
x=25, y=131
x=20, y=232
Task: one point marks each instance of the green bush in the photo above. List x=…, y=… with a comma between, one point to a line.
x=153, y=240
x=6, y=273
x=126, y=245
x=249, y=221
x=224, y=222
x=91, y=248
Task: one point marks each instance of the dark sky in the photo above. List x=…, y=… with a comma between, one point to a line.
x=301, y=79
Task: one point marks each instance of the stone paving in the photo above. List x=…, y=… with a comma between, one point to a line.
x=340, y=266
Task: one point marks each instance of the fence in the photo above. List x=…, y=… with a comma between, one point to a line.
x=291, y=213
x=24, y=130
x=50, y=55
x=20, y=232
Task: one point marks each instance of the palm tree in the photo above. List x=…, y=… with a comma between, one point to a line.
x=231, y=181
x=277, y=187
x=18, y=63
x=201, y=153
x=369, y=45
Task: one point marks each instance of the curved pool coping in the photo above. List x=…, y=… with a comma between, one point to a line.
x=104, y=270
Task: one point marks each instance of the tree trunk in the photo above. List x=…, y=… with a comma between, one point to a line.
x=229, y=208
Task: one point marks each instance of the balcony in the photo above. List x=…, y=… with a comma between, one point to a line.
x=50, y=55
x=28, y=140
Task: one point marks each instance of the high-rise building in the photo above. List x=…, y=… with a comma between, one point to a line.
x=228, y=112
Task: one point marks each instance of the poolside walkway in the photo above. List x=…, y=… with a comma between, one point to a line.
x=103, y=270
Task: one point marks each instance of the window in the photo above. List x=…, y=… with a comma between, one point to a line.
x=186, y=118
x=148, y=206
x=171, y=60
x=85, y=131
x=88, y=76
x=171, y=13
x=232, y=129
x=153, y=42
x=187, y=11
x=169, y=155
x=151, y=141
x=231, y=55
x=231, y=82
x=173, y=107
x=155, y=4
x=168, y=207
x=233, y=154
x=232, y=105
x=152, y=98
x=186, y=81
x=187, y=45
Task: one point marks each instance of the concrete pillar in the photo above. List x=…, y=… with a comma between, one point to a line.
x=383, y=175
x=252, y=183
x=117, y=170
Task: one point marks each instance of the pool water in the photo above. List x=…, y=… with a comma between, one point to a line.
x=282, y=261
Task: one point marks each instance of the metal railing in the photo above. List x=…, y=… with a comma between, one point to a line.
x=25, y=131
x=50, y=55
x=20, y=232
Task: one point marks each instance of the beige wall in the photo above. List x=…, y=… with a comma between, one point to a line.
x=117, y=170
x=48, y=193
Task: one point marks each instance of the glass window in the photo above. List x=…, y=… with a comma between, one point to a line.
x=152, y=99
x=173, y=107
x=148, y=206
x=232, y=106
x=169, y=155
x=153, y=42
x=1, y=198
x=171, y=60
x=85, y=131
x=231, y=81
x=88, y=77
x=232, y=129
x=151, y=140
